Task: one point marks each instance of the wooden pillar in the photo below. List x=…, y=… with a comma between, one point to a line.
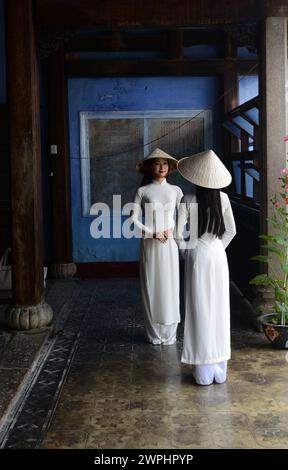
x=273, y=110
x=230, y=76
x=29, y=311
x=230, y=98
x=62, y=266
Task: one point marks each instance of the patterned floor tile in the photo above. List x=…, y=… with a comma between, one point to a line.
x=107, y=388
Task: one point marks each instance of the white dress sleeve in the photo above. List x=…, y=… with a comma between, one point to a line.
x=137, y=212
x=181, y=217
x=187, y=214
x=179, y=196
x=229, y=222
x=192, y=220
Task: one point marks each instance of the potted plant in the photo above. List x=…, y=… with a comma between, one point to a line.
x=275, y=324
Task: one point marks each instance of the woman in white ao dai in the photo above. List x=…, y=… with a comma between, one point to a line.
x=207, y=308
x=159, y=259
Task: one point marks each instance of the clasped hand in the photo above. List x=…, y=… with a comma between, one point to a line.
x=163, y=236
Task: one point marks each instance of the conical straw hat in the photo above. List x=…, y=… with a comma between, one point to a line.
x=157, y=153
x=205, y=169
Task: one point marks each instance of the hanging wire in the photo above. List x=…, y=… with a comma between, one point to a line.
x=142, y=146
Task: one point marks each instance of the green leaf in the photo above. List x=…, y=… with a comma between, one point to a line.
x=281, y=307
x=272, y=219
x=262, y=280
x=275, y=223
x=281, y=295
x=264, y=259
x=284, y=267
x=275, y=250
x=266, y=237
x=281, y=240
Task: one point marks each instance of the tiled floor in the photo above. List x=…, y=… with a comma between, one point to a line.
x=124, y=393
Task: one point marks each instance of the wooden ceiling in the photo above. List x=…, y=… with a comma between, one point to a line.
x=69, y=14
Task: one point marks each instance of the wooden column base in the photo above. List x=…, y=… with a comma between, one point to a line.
x=62, y=270
x=265, y=298
x=263, y=302
x=33, y=317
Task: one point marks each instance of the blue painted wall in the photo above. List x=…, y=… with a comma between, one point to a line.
x=245, y=53
x=203, y=52
x=2, y=55
x=140, y=93
x=248, y=88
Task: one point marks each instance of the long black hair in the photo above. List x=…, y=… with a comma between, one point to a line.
x=147, y=172
x=210, y=217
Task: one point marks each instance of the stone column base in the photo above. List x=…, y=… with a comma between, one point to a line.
x=28, y=318
x=265, y=298
x=62, y=270
x=263, y=302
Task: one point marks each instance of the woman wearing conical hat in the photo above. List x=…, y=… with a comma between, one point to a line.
x=207, y=308
x=159, y=260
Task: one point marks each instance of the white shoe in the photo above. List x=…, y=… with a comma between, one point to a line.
x=220, y=372
x=203, y=375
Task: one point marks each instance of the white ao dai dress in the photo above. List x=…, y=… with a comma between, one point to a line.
x=207, y=305
x=159, y=262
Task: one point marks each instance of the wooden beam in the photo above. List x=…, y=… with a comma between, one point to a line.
x=230, y=49
x=253, y=103
x=193, y=38
x=161, y=67
x=275, y=8
x=244, y=141
x=118, y=43
x=169, y=13
x=60, y=163
x=121, y=41
x=175, y=44
x=243, y=133
x=247, y=119
x=252, y=155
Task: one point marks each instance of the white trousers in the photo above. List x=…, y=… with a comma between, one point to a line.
x=160, y=334
x=205, y=374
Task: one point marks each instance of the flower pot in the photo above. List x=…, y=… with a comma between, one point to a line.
x=277, y=334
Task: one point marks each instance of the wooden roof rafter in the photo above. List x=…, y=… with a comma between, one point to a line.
x=162, y=67
x=124, y=13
